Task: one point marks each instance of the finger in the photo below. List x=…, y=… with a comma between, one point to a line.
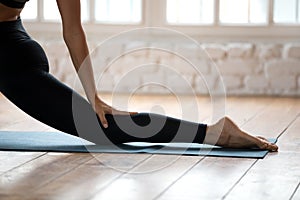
x=118, y=112
x=133, y=113
x=103, y=120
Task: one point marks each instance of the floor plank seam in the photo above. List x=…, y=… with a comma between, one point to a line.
x=288, y=126
x=12, y=169
x=281, y=133
x=259, y=112
x=262, y=110
x=187, y=171
x=238, y=181
x=122, y=174
x=277, y=117
x=65, y=173
x=296, y=189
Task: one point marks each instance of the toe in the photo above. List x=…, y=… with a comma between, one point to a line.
x=263, y=138
x=268, y=146
x=273, y=147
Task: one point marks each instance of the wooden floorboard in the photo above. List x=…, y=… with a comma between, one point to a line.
x=149, y=178
x=10, y=160
x=215, y=176
x=152, y=182
x=85, y=180
x=275, y=118
x=32, y=175
x=296, y=194
x=42, y=175
x=155, y=162
x=277, y=176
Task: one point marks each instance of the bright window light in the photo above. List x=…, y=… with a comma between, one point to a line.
x=51, y=12
x=244, y=11
x=298, y=13
x=286, y=12
x=84, y=10
x=259, y=11
x=118, y=11
x=190, y=11
x=30, y=10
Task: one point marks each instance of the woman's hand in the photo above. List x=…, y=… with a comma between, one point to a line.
x=75, y=39
x=101, y=108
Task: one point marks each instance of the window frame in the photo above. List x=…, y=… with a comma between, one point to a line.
x=217, y=29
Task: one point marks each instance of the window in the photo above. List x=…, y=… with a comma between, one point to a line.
x=210, y=17
x=116, y=11
x=30, y=12
x=50, y=11
x=244, y=11
x=106, y=11
x=287, y=12
x=190, y=11
x=231, y=12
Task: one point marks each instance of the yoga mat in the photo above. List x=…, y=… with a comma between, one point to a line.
x=61, y=142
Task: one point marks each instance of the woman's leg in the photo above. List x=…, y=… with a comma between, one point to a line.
x=46, y=99
x=226, y=133
x=24, y=79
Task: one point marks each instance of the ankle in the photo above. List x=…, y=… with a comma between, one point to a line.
x=212, y=135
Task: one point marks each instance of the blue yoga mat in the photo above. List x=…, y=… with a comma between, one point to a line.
x=61, y=142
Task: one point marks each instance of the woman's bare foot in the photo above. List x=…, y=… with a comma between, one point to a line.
x=226, y=133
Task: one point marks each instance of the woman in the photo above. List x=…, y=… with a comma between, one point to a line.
x=25, y=80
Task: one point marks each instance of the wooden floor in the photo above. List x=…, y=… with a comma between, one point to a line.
x=42, y=175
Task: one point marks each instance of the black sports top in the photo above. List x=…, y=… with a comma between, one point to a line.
x=14, y=3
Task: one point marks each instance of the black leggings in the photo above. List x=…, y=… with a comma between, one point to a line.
x=25, y=81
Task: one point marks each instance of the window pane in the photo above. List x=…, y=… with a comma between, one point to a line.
x=298, y=11
x=285, y=12
x=51, y=12
x=243, y=11
x=234, y=11
x=190, y=11
x=258, y=11
x=84, y=10
x=118, y=11
x=30, y=10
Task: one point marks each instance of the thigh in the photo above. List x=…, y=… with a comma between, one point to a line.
x=43, y=97
x=46, y=99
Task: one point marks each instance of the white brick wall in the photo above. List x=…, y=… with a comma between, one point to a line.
x=232, y=82
x=268, y=52
x=283, y=67
x=254, y=82
x=215, y=51
x=283, y=83
x=238, y=66
x=246, y=68
x=292, y=51
x=240, y=50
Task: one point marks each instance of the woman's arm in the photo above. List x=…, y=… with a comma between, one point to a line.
x=74, y=37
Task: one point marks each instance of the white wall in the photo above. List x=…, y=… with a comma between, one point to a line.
x=247, y=68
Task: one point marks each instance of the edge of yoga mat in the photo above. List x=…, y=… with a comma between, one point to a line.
x=61, y=142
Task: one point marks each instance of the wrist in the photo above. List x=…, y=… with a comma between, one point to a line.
x=97, y=98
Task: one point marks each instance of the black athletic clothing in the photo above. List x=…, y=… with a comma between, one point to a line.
x=25, y=81
x=14, y=3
